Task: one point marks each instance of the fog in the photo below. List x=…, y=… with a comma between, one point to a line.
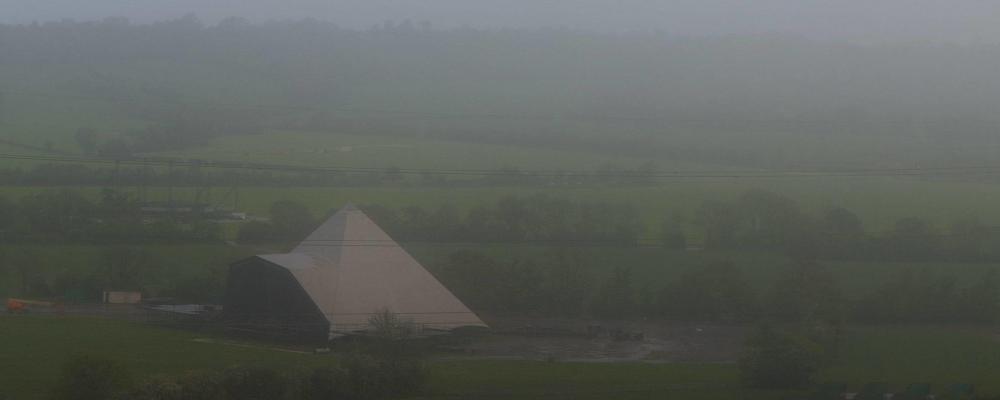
x=730, y=199
x=961, y=21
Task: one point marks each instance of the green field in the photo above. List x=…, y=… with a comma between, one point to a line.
x=900, y=355
x=376, y=151
x=32, y=348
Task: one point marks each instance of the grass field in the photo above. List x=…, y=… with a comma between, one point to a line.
x=374, y=151
x=32, y=348
x=900, y=355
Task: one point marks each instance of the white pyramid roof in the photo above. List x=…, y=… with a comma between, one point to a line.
x=352, y=269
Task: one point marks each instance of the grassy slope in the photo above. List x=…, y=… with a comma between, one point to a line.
x=32, y=348
x=902, y=355
x=332, y=149
x=529, y=380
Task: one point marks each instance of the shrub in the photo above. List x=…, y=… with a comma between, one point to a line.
x=372, y=377
x=202, y=386
x=255, y=383
x=156, y=388
x=326, y=383
x=776, y=360
x=87, y=377
x=256, y=232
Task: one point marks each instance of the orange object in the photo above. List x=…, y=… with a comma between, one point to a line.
x=14, y=306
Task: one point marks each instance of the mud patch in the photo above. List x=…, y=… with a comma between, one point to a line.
x=569, y=340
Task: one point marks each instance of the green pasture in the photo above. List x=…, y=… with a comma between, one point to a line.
x=33, y=348
x=901, y=355
x=329, y=149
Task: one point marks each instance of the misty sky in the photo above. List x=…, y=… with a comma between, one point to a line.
x=859, y=20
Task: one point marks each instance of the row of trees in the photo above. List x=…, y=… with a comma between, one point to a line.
x=757, y=220
x=32, y=273
x=514, y=218
x=760, y=220
x=68, y=215
x=560, y=285
x=509, y=219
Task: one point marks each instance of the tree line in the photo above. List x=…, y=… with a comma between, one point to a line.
x=159, y=173
x=556, y=281
x=68, y=216
x=756, y=220
x=509, y=219
x=761, y=220
x=561, y=284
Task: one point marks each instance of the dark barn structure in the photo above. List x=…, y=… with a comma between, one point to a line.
x=264, y=299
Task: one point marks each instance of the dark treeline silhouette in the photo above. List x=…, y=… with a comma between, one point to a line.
x=514, y=218
x=554, y=281
x=760, y=220
x=756, y=221
x=542, y=88
x=68, y=216
x=560, y=285
x=509, y=219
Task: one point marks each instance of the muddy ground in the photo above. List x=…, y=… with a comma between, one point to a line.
x=581, y=340
x=607, y=341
